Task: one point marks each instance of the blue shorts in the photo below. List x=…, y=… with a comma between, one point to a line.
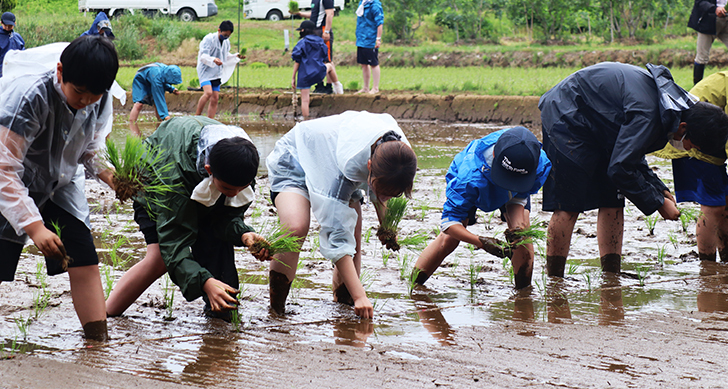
x=701, y=182
x=214, y=83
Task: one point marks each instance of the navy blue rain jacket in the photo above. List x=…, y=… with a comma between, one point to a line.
x=617, y=112
x=702, y=17
x=310, y=52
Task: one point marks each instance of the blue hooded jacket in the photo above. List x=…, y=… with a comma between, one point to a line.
x=469, y=184
x=9, y=41
x=94, y=30
x=310, y=52
x=366, y=25
x=153, y=80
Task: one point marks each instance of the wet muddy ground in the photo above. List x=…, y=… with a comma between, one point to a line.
x=664, y=323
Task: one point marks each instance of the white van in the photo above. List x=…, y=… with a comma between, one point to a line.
x=275, y=10
x=186, y=10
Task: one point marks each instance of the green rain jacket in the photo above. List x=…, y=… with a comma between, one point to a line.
x=177, y=220
x=711, y=89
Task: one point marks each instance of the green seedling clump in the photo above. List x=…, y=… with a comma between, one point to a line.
x=293, y=7
x=387, y=232
x=278, y=240
x=136, y=171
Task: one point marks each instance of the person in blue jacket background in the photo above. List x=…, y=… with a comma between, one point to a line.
x=598, y=125
x=9, y=39
x=150, y=83
x=498, y=171
x=369, y=28
x=100, y=26
x=311, y=55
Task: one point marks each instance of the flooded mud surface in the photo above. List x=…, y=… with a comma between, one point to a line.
x=664, y=322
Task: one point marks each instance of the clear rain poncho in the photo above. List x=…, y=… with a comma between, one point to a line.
x=211, y=48
x=42, y=143
x=327, y=159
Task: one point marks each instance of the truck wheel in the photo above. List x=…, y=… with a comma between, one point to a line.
x=274, y=15
x=187, y=15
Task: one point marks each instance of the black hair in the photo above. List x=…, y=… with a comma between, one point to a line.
x=393, y=167
x=707, y=128
x=227, y=25
x=90, y=61
x=304, y=32
x=234, y=161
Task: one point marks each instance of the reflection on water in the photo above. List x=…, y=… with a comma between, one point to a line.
x=195, y=350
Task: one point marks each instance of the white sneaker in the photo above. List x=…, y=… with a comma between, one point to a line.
x=338, y=88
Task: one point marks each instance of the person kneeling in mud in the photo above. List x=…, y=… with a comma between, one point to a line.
x=190, y=232
x=498, y=171
x=323, y=165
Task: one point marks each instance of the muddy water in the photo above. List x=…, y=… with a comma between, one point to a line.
x=472, y=289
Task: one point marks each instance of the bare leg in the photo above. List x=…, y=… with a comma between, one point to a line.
x=610, y=228
x=559, y=239
x=294, y=212
x=206, y=95
x=341, y=293
x=88, y=300
x=433, y=255
x=133, y=116
x=305, y=99
x=522, y=259
x=366, y=74
x=376, y=73
x=135, y=281
x=212, y=109
x=331, y=73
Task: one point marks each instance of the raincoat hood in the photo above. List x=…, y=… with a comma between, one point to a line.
x=172, y=75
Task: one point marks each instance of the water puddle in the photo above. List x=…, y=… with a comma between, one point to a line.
x=471, y=289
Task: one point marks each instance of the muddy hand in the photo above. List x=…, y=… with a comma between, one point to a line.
x=363, y=308
x=669, y=210
x=495, y=247
x=514, y=236
x=220, y=295
x=251, y=238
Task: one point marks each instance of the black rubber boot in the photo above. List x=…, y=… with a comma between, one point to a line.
x=421, y=277
x=611, y=263
x=555, y=265
x=707, y=257
x=279, y=288
x=523, y=277
x=698, y=70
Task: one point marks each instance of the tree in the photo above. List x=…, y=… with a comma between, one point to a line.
x=7, y=5
x=403, y=17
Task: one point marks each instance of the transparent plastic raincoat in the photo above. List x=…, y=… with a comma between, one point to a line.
x=211, y=48
x=327, y=159
x=42, y=143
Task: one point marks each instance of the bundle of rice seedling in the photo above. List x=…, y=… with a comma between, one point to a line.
x=293, y=7
x=135, y=169
x=278, y=239
x=387, y=232
x=65, y=259
x=533, y=234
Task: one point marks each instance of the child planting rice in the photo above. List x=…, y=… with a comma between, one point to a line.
x=195, y=227
x=499, y=171
x=322, y=166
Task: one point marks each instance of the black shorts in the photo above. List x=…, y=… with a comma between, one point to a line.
x=76, y=238
x=365, y=56
x=147, y=226
x=473, y=218
x=578, y=187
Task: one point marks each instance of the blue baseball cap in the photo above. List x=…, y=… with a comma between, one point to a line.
x=515, y=160
x=8, y=19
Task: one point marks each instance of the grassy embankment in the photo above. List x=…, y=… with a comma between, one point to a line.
x=141, y=40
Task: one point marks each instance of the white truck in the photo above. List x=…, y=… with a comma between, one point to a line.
x=275, y=10
x=186, y=10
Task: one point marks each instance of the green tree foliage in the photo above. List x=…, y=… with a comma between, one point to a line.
x=7, y=5
x=404, y=17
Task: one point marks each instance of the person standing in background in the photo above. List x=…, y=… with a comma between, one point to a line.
x=322, y=15
x=708, y=18
x=213, y=57
x=9, y=39
x=369, y=27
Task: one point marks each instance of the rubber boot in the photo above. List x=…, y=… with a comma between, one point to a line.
x=708, y=257
x=96, y=330
x=698, y=70
x=555, y=265
x=611, y=263
x=342, y=295
x=422, y=276
x=523, y=278
x=279, y=288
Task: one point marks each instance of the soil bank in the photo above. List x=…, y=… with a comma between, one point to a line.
x=508, y=110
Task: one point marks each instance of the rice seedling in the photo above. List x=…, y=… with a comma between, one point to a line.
x=673, y=239
x=417, y=241
x=367, y=277
x=661, y=253
x=367, y=235
x=297, y=283
x=387, y=232
x=642, y=273
x=293, y=7
x=235, y=319
x=534, y=234
x=168, y=295
x=136, y=170
x=385, y=257
x=14, y=349
x=42, y=296
x=411, y=280
x=278, y=239
x=573, y=266
x=651, y=222
x=473, y=272
x=22, y=325
x=64, y=259
x=404, y=267
x=315, y=244
x=686, y=216
x=376, y=305
x=588, y=278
